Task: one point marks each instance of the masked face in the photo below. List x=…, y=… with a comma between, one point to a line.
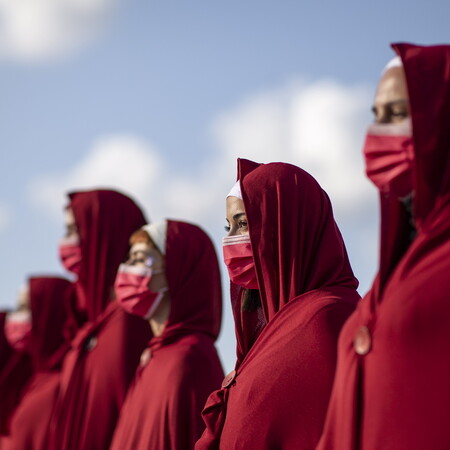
x=238, y=257
x=18, y=329
x=389, y=156
x=70, y=254
x=133, y=293
x=140, y=283
x=69, y=246
x=388, y=149
x=237, y=250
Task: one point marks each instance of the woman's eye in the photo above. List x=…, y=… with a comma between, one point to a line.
x=400, y=113
x=227, y=228
x=242, y=224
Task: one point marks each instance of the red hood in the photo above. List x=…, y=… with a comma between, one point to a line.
x=193, y=277
x=297, y=246
x=105, y=221
x=427, y=71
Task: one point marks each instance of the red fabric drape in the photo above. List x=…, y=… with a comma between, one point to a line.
x=395, y=395
x=163, y=407
x=279, y=393
x=105, y=350
x=15, y=371
x=49, y=298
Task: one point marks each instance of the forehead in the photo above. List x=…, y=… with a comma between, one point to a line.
x=234, y=206
x=392, y=86
x=142, y=246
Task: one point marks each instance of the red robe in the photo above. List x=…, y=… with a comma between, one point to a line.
x=15, y=371
x=181, y=367
x=49, y=298
x=105, y=351
x=278, y=394
x=391, y=389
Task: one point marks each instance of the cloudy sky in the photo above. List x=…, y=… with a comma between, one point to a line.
x=158, y=99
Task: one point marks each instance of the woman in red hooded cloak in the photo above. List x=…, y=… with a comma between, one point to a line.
x=391, y=388
x=15, y=371
x=48, y=301
x=106, y=348
x=297, y=288
x=180, y=367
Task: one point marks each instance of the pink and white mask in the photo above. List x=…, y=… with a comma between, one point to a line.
x=389, y=156
x=70, y=254
x=238, y=257
x=132, y=292
x=18, y=329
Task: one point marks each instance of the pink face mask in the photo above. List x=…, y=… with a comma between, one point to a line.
x=70, y=254
x=132, y=292
x=389, y=155
x=18, y=329
x=238, y=257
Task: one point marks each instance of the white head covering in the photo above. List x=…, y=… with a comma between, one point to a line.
x=158, y=233
x=394, y=62
x=236, y=190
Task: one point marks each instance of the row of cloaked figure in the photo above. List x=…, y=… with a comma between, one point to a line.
x=124, y=357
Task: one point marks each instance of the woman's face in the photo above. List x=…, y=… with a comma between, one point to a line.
x=139, y=255
x=69, y=221
x=391, y=99
x=236, y=218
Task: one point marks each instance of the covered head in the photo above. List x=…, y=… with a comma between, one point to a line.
x=185, y=271
x=421, y=78
x=104, y=219
x=427, y=73
x=296, y=244
x=193, y=278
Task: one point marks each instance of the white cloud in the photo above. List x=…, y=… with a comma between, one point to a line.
x=317, y=126
x=5, y=217
x=122, y=162
x=37, y=30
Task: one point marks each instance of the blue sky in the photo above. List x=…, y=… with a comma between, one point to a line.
x=158, y=98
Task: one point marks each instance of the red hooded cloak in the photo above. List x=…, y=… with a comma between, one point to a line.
x=394, y=393
x=15, y=371
x=49, y=298
x=278, y=394
x=163, y=407
x=106, y=349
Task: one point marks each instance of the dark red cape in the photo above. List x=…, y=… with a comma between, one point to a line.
x=397, y=395
x=49, y=298
x=278, y=396
x=15, y=371
x=105, y=351
x=163, y=407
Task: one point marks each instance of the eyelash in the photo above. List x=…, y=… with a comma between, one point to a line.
x=241, y=224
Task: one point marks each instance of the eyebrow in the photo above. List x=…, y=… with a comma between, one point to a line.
x=236, y=216
x=395, y=102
